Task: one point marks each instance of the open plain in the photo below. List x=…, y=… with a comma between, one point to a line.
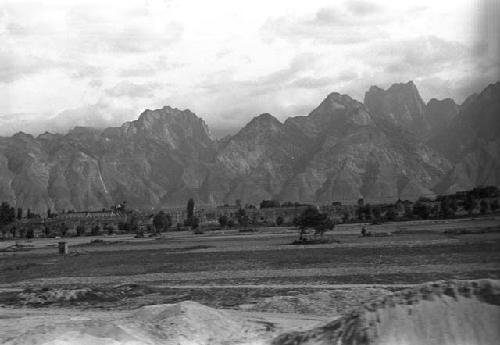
x=258, y=274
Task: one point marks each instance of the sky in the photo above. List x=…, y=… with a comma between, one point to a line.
x=101, y=63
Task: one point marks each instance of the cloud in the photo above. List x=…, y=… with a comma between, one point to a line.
x=95, y=83
x=312, y=83
x=149, y=69
x=349, y=24
x=103, y=113
x=131, y=90
x=363, y=7
x=103, y=29
x=138, y=39
x=228, y=61
x=139, y=70
x=14, y=66
x=412, y=58
x=100, y=115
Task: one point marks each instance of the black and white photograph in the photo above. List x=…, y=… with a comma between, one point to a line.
x=265, y=172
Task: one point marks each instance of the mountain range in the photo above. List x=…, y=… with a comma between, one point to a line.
x=392, y=145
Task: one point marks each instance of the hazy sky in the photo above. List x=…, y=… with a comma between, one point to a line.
x=99, y=63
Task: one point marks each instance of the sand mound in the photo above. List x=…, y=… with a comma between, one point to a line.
x=456, y=312
x=460, y=312
x=186, y=323
x=329, y=303
x=193, y=323
x=64, y=297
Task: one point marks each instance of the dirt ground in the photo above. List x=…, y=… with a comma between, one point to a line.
x=251, y=272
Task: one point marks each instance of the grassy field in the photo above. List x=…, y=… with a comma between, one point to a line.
x=229, y=268
x=415, y=252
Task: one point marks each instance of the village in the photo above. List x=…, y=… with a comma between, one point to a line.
x=120, y=219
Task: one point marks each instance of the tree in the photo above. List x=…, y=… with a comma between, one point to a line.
x=470, y=203
x=195, y=223
x=494, y=205
x=223, y=221
x=30, y=233
x=345, y=217
x=109, y=228
x=80, y=230
x=162, y=221
x=63, y=228
x=312, y=218
x=269, y=204
x=376, y=213
x=95, y=230
x=7, y=214
x=483, y=207
x=242, y=217
x=19, y=213
x=390, y=214
x=133, y=222
x=279, y=220
x=190, y=211
x=447, y=208
x=421, y=209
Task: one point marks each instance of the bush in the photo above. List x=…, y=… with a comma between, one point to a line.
x=279, y=220
x=80, y=230
x=223, y=220
x=311, y=241
x=195, y=223
x=30, y=233
x=109, y=229
x=95, y=230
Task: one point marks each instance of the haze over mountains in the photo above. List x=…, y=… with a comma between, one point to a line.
x=391, y=146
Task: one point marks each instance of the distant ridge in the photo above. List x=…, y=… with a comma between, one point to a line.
x=391, y=146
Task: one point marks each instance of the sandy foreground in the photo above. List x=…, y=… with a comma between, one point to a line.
x=451, y=312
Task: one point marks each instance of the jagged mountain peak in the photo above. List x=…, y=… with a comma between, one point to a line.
x=259, y=127
x=340, y=110
x=375, y=88
x=338, y=98
x=491, y=91
x=339, y=152
x=170, y=125
x=440, y=113
x=23, y=137
x=400, y=90
x=165, y=114
x=408, y=86
x=264, y=119
x=471, y=141
x=400, y=105
x=48, y=136
x=435, y=101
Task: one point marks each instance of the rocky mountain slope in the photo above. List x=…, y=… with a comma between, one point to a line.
x=401, y=105
x=471, y=141
x=392, y=146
